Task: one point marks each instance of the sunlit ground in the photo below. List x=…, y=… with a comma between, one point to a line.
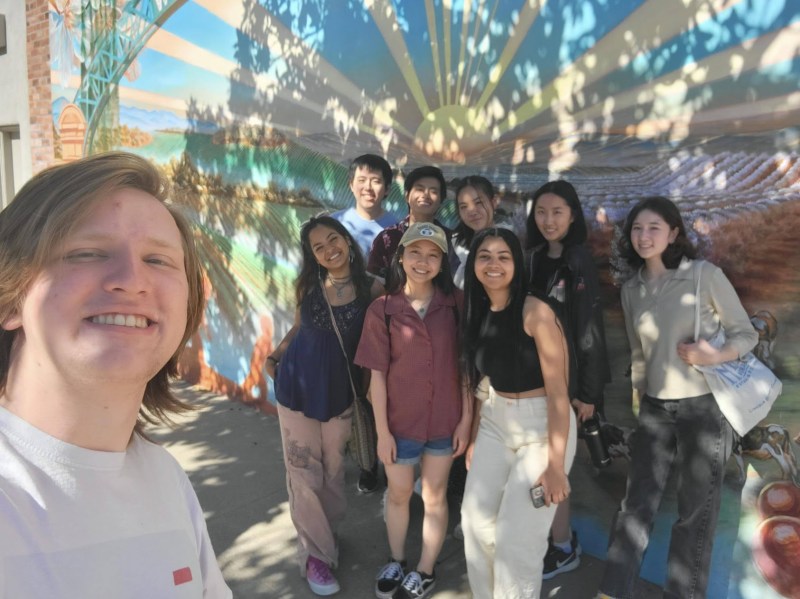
x=233, y=456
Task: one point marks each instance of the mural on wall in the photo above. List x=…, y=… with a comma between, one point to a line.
x=254, y=109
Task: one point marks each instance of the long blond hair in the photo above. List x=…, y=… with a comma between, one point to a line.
x=42, y=215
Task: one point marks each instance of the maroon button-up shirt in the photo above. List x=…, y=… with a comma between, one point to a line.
x=420, y=360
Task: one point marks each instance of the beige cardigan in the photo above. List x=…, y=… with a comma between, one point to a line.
x=657, y=322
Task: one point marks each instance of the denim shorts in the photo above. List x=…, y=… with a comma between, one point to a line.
x=409, y=452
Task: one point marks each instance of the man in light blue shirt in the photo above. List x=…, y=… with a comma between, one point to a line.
x=370, y=181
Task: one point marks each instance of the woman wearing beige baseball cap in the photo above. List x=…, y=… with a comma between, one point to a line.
x=410, y=343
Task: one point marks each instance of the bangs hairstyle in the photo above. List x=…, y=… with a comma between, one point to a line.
x=41, y=217
x=666, y=209
x=463, y=233
x=396, y=279
x=577, y=230
x=375, y=163
x=476, y=300
x=311, y=272
x=423, y=172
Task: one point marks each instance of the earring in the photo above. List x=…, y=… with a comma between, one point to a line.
x=319, y=271
x=351, y=253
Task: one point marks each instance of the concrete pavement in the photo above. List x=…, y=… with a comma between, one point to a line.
x=233, y=456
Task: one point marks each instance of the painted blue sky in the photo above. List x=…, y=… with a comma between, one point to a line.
x=454, y=80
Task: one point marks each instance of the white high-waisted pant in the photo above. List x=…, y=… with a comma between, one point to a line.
x=505, y=537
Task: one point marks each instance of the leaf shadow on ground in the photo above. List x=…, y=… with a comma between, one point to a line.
x=234, y=459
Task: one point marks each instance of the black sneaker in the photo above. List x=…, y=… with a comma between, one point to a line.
x=389, y=579
x=557, y=561
x=368, y=481
x=418, y=584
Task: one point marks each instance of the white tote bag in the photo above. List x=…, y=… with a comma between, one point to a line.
x=744, y=389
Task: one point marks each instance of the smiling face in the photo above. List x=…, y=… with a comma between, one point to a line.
x=330, y=249
x=111, y=301
x=475, y=209
x=422, y=261
x=651, y=235
x=369, y=189
x=424, y=199
x=494, y=264
x=553, y=216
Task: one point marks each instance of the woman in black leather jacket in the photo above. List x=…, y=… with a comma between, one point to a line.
x=561, y=266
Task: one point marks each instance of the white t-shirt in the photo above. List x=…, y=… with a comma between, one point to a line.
x=91, y=524
x=364, y=231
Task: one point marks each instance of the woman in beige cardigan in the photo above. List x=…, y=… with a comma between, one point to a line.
x=680, y=424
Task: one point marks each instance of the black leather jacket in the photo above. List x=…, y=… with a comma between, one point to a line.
x=575, y=286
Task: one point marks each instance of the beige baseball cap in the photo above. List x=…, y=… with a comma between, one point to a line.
x=425, y=232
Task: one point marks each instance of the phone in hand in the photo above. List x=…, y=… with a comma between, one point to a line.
x=537, y=496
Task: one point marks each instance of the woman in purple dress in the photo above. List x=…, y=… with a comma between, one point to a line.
x=312, y=385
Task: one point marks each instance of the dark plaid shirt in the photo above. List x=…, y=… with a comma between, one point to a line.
x=385, y=245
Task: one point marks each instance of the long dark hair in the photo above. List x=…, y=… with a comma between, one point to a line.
x=577, y=230
x=476, y=304
x=666, y=209
x=311, y=272
x=476, y=300
x=397, y=276
x=462, y=233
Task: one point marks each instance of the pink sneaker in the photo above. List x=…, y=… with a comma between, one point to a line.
x=320, y=578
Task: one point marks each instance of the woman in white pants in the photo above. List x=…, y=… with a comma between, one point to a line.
x=523, y=440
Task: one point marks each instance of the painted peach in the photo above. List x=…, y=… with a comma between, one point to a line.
x=776, y=553
x=779, y=498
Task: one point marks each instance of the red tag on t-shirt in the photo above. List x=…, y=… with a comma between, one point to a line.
x=182, y=576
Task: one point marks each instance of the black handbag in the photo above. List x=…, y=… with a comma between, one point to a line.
x=363, y=436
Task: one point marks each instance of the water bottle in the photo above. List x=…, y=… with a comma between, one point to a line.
x=595, y=443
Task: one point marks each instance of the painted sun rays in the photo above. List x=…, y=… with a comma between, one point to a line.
x=328, y=91
x=325, y=85
x=449, y=124
x=312, y=72
x=316, y=87
x=458, y=76
x=600, y=87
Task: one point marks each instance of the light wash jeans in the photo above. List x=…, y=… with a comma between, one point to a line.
x=505, y=537
x=693, y=434
x=313, y=453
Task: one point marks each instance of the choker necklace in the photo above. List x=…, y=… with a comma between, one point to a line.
x=340, y=285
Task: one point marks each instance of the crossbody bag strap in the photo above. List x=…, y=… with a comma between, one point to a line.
x=339, y=337
x=699, y=271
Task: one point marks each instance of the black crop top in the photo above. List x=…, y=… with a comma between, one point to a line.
x=508, y=355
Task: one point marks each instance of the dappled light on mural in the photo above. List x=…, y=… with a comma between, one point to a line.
x=254, y=108
x=259, y=118
x=271, y=106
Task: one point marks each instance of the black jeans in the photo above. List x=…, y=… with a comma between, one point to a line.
x=693, y=434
